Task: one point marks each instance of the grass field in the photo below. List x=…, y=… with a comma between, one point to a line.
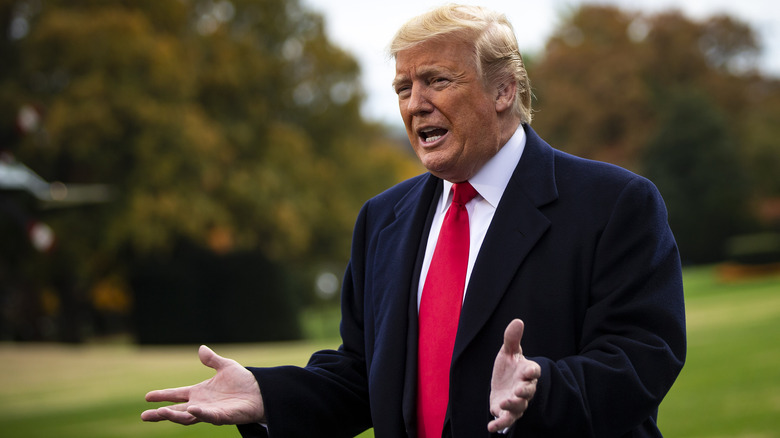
x=730, y=386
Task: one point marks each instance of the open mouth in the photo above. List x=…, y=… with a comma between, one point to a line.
x=430, y=135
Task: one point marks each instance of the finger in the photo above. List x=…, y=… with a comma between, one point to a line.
x=525, y=390
x=512, y=337
x=532, y=371
x=177, y=416
x=151, y=415
x=514, y=405
x=176, y=395
x=211, y=359
x=208, y=415
x=501, y=422
x=166, y=414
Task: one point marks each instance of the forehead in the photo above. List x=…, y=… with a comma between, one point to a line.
x=434, y=56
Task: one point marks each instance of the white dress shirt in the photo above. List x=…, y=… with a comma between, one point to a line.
x=490, y=183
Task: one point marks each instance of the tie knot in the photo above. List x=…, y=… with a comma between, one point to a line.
x=463, y=193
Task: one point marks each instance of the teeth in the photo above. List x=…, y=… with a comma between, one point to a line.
x=432, y=138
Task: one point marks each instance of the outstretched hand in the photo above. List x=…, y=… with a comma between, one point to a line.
x=232, y=396
x=514, y=380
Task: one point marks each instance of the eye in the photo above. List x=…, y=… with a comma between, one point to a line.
x=403, y=91
x=439, y=81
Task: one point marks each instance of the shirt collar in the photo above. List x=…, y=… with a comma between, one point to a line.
x=491, y=180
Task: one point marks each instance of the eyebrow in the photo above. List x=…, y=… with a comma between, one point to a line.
x=398, y=80
x=424, y=71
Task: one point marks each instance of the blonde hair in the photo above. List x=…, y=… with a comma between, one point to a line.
x=493, y=39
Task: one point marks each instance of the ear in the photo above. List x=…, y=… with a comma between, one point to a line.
x=505, y=95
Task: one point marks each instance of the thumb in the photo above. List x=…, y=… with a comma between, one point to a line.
x=512, y=337
x=209, y=358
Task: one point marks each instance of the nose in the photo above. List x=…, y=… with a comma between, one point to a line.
x=418, y=101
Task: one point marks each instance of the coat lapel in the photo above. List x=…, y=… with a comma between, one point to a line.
x=516, y=227
x=402, y=245
x=400, y=241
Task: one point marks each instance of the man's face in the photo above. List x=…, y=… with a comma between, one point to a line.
x=451, y=117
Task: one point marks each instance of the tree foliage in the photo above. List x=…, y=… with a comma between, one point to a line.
x=695, y=164
x=231, y=135
x=233, y=125
x=610, y=82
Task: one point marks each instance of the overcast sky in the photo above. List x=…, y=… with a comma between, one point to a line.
x=365, y=27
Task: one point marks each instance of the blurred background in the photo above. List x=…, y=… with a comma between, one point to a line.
x=189, y=171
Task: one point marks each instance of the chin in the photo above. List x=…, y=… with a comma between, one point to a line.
x=435, y=167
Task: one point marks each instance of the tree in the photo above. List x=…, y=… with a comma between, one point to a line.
x=605, y=74
x=696, y=165
x=229, y=126
x=609, y=87
x=589, y=83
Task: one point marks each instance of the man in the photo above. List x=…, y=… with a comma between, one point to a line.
x=572, y=258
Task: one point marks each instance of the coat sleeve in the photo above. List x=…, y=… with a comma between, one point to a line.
x=632, y=344
x=329, y=396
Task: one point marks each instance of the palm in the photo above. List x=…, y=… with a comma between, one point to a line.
x=514, y=380
x=232, y=396
x=505, y=371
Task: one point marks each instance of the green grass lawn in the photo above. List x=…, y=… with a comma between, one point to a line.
x=730, y=386
x=98, y=390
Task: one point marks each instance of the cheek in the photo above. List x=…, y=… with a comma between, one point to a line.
x=412, y=137
x=479, y=137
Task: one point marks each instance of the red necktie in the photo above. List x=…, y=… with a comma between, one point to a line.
x=440, y=304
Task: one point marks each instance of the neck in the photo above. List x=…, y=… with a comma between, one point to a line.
x=508, y=126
